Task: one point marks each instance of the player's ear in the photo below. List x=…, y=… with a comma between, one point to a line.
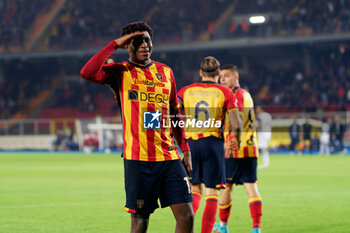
x=201, y=73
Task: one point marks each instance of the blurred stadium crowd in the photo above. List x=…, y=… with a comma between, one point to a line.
x=288, y=18
x=84, y=24
x=304, y=77
x=17, y=18
x=324, y=85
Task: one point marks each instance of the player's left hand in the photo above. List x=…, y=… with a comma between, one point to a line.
x=187, y=161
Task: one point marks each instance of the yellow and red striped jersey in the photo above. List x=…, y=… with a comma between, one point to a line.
x=206, y=101
x=146, y=95
x=142, y=89
x=249, y=146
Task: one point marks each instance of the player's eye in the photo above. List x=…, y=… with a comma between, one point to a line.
x=139, y=40
x=146, y=40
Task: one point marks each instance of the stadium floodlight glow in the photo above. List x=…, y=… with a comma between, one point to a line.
x=257, y=19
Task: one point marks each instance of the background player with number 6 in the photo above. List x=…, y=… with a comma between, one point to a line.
x=208, y=101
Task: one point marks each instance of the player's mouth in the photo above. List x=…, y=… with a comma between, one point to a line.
x=144, y=53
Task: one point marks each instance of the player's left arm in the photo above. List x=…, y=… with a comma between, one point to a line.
x=179, y=133
x=235, y=121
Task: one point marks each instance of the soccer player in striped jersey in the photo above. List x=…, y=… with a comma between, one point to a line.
x=146, y=93
x=205, y=104
x=241, y=165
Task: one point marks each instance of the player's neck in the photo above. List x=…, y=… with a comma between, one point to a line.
x=210, y=79
x=136, y=61
x=235, y=86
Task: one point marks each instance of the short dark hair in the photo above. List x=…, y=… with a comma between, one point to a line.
x=210, y=65
x=233, y=68
x=139, y=26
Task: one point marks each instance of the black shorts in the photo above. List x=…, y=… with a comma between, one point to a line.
x=239, y=171
x=208, y=162
x=145, y=182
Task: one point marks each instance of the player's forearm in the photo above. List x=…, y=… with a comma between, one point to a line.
x=179, y=133
x=92, y=70
x=236, y=124
x=181, y=139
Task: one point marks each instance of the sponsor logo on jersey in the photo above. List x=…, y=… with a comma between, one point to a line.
x=150, y=97
x=149, y=82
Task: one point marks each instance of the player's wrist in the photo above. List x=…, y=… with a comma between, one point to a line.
x=115, y=44
x=184, y=145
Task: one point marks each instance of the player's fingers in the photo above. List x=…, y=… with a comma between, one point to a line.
x=189, y=169
x=232, y=144
x=137, y=34
x=126, y=39
x=228, y=152
x=133, y=35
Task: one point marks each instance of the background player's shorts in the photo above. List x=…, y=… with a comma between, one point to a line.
x=145, y=182
x=239, y=171
x=208, y=162
x=264, y=139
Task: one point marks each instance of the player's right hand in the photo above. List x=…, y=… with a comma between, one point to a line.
x=187, y=161
x=125, y=40
x=231, y=145
x=228, y=152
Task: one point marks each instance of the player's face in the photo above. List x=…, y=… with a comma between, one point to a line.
x=227, y=78
x=140, y=48
x=258, y=109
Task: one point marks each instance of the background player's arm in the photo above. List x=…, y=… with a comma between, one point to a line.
x=93, y=71
x=180, y=96
x=181, y=105
x=236, y=128
x=236, y=124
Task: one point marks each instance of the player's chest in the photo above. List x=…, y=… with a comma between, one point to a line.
x=146, y=86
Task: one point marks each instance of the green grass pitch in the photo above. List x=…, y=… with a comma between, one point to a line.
x=51, y=193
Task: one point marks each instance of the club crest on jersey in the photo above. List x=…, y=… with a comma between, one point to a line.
x=140, y=203
x=159, y=76
x=151, y=120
